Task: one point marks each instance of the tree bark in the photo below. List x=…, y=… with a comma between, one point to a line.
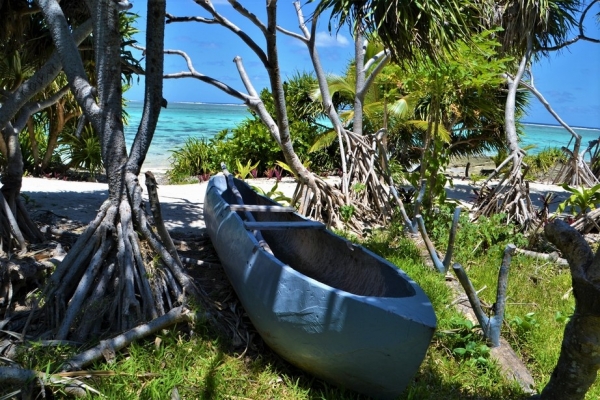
x=579, y=359
x=128, y=290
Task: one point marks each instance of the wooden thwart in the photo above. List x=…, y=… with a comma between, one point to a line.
x=283, y=225
x=252, y=207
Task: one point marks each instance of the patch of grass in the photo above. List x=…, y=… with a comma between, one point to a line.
x=443, y=374
x=539, y=301
x=200, y=365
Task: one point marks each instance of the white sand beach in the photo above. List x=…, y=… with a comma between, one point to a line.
x=182, y=205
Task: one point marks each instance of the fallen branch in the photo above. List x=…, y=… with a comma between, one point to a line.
x=554, y=257
x=111, y=346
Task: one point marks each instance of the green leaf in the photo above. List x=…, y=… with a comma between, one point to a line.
x=460, y=351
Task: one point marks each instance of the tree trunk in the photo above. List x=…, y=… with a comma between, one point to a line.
x=105, y=274
x=359, y=98
x=579, y=359
x=511, y=195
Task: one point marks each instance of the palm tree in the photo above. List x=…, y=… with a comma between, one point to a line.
x=409, y=29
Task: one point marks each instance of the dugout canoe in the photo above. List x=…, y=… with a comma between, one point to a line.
x=332, y=308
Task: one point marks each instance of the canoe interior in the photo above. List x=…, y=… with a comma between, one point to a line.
x=325, y=257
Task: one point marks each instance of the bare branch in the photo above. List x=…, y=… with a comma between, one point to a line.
x=207, y=5
x=251, y=16
x=332, y=114
x=292, y=34
x=371, y=78
x=541, y=98
x=34, y=107
x=192, y=73
x=171, y=18
x=302, y=25
x=375, y=58
x=581, y=36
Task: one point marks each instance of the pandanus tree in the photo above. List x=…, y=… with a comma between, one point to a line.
x=29, y=67
x=529, y=28
x=105, y=283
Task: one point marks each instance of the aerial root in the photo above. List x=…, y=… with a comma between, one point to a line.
x=10, y=227
x=323, y=201
x=575, y=172
x=363, y=188
x=509, y=196
x=106, y=284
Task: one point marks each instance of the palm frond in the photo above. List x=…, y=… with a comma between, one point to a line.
x=323, y=141
x=442, y=133
x=409, y=28
x=341, y=85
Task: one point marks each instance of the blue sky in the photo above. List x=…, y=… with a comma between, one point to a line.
x=569, y=80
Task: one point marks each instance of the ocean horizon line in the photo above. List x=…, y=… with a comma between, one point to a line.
x=543, y=124
x=206, y=103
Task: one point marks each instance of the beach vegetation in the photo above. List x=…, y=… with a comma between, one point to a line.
x=275, y=172
x=274, y=194
x=249, y=140
x=197, y=156
x=82, y=152
x=244, y=171
x=581, y=201
x=540, y=164
x=252, y=140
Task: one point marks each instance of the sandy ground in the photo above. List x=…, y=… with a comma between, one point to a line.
x=182, y=204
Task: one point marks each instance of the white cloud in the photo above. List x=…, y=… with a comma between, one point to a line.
x=324, y=39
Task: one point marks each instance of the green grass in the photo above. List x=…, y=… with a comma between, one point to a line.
x=539, y=301
x=443, y=374
x=200, y=364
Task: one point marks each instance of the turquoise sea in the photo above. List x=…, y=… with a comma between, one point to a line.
x=182, y=120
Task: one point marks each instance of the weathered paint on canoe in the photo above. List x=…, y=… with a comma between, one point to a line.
x=334, y=309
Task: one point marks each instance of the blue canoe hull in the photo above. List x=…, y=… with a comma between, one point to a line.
x=333, y=309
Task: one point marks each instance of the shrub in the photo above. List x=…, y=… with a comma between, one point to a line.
x=539, y=164
x=581, y=201
x=198, y=156
x=250, y=140
x=82, y=152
